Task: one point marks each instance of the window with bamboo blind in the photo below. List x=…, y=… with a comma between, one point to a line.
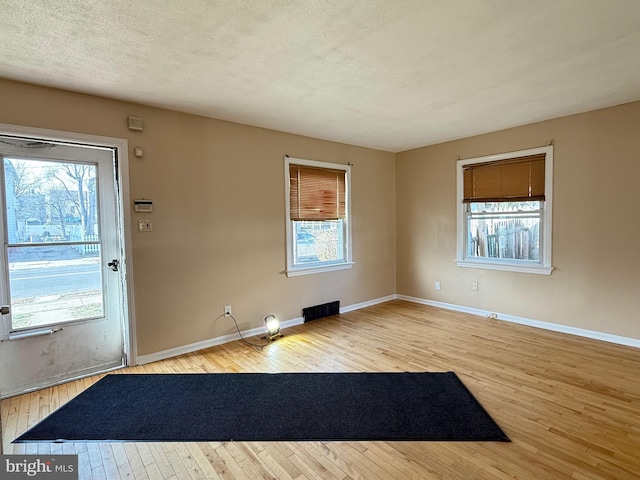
x=317, y=207
x=504, y=211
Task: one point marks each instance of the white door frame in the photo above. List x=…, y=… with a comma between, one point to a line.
x=121, y=147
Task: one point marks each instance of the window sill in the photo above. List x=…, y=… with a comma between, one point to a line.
x=296, y=271
x=508, y=267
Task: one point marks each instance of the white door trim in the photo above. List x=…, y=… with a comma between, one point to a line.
x=124, y=212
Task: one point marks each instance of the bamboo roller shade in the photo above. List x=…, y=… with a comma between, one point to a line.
x=511, y=180
x=316, y=193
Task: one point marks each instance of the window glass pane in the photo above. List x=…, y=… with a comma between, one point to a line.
x=54, y=284
x=504, y=206
x=50, y=201
x=318, y=241
x=50, y=204
x=505, y=230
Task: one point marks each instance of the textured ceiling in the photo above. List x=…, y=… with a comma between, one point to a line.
x=387, y=74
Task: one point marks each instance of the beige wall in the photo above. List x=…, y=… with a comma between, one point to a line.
x=596, y=225
x=218, y=220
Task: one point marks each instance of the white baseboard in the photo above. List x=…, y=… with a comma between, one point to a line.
x=369, y=303
x=212, y=342
x=555, y=327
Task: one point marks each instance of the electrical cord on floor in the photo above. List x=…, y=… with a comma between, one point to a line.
x=257, y=346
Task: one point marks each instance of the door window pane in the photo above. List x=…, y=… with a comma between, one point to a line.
x=53, y=250
x=50, y=201
x=51, y=285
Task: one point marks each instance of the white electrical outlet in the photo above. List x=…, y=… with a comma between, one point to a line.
x=227, y=311
x=437, y=285
x=474, y=286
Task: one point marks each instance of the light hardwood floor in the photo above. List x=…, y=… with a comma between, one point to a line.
x=570, y=405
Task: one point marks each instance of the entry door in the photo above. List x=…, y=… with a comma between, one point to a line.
x=60, y=264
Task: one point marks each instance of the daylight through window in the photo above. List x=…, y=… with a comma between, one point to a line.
x=318, y=236
x=504, y=219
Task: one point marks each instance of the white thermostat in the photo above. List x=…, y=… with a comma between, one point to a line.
x=142, y=205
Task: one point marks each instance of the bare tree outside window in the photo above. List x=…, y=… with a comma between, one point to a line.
x=78, y=181
x=51, y=200
x=52, y=231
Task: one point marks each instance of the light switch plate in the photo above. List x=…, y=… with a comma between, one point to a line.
x=145, y=226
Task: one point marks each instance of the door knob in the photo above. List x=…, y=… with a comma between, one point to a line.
x=114, y=264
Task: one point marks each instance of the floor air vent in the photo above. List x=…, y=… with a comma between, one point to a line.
x=319, y=311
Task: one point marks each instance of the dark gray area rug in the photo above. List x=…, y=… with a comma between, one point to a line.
x=270, y=407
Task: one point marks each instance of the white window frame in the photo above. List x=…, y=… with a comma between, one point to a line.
x=544, y=266
x=319, y=267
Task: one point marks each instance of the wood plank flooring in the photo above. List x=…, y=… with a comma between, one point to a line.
x=570, y=405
